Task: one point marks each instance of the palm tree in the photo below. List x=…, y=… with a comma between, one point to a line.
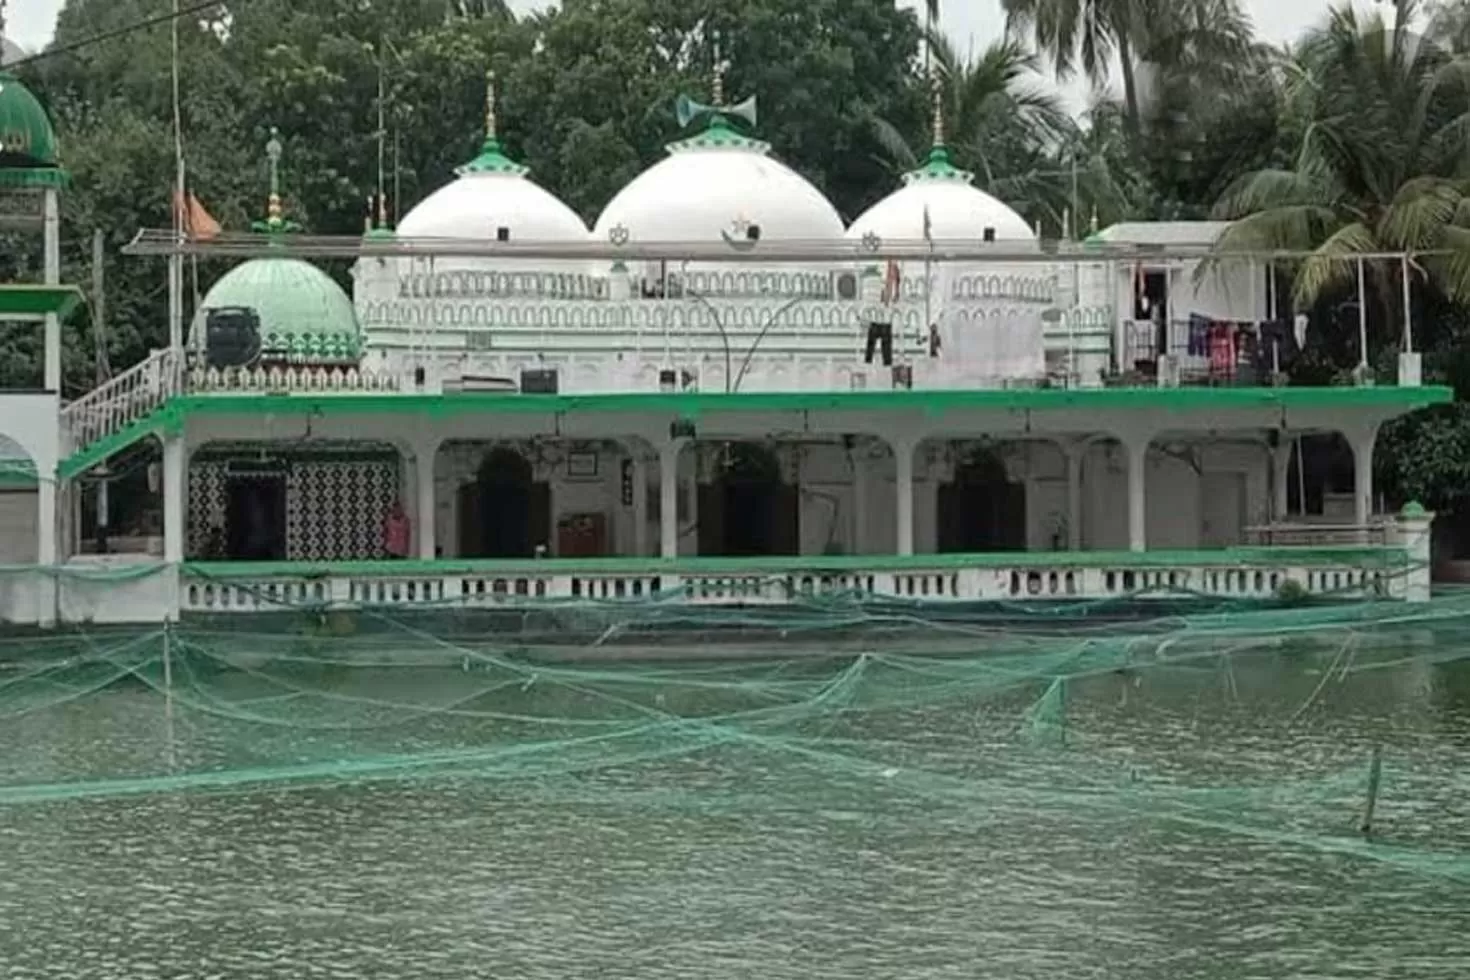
x=1382, y=117
x=1178, y=37
x=997, y=121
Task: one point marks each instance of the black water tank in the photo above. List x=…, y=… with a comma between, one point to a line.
x=231, y=336
x=540, y=381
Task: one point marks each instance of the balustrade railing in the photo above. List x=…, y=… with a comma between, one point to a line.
x=1347, y=573
x=130, y=397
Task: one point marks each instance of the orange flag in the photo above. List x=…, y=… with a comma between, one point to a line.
x=196, y=222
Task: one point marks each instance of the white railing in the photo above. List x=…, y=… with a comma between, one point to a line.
x=127, y=398
x=291, y=379
x=1357, y=573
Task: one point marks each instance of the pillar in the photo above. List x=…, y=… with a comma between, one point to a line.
x=1362, y=441
x=425, y=454
x=1412, y=530
x=174, y=498
x=1075, y=453
x=668, y=498
x=903, y=458
x=857, y=545
x=640, y=501
x=52, y=226
x=1280, y=482
x=1135, y=451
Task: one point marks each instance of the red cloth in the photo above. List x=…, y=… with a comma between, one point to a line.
x=1222, y=348
x=396, y=534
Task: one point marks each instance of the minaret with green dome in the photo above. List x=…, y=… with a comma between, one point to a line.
x=306, y=319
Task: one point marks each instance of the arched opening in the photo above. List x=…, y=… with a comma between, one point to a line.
x=981, y=509
x=504, y=512
x=746, y=509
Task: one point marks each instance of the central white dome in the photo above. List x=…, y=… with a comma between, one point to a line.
x=718, y=183
x=492, y=193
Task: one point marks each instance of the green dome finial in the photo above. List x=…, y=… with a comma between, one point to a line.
x=492, y=158
x=936, y=86
x=275, y=222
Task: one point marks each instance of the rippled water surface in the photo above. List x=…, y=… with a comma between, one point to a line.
x=1197, y=826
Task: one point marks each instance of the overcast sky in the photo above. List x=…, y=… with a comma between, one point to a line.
x=977, y=22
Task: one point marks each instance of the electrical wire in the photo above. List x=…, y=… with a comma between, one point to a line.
x=115, y=33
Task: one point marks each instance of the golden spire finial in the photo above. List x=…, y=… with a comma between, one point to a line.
x=490, y=105
x=717, y=96
x=936, y=88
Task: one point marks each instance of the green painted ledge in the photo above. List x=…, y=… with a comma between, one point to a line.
x=80, y=462
x=31, y=302
x=815, y=564
x=691, y=405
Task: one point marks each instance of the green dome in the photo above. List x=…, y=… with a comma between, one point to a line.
x=304, y=315
x=27, y=140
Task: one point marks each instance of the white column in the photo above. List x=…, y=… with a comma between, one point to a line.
x=1135, y=449
x=424, y=456
x=857, y=546
x=174, y=498
x=52, y=223
x=1075, y=452
x=1280, y=482
x=903, y=457
x=668, y=498
x=640, y=501
x=1362, y=442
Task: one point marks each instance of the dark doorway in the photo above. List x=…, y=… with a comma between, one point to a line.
x=981, y=509
x=505, y=513
x=255, y=517
x=747, y=510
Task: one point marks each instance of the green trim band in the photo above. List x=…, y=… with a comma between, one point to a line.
x=690, y=405
x=34, y=178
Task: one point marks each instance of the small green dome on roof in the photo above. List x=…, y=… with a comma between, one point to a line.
x=304, y=315
x=27, y=140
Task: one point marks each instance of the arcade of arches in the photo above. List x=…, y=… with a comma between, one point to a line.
x=511, y=499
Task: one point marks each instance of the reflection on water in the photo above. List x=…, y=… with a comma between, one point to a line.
x=1196, y=824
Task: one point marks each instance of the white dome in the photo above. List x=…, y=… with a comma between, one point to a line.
x=716, y=184
x=489, y=194
x=957, y=209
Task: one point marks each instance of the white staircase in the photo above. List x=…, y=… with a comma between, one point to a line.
x=127, y=398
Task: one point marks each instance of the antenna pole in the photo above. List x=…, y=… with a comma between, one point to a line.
x=175, y=262
x=99, y=334
x=382, y=136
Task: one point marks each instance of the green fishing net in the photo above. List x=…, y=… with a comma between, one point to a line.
x=1132, y=708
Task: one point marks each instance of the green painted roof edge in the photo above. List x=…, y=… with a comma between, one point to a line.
x=37, y=301
x=931, y=401
x=171, y=414
x=164, y=417
x=1225, y=558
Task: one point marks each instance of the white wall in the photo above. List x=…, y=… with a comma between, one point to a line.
x=18, y=524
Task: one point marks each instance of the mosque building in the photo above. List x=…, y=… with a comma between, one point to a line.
x=721, y=392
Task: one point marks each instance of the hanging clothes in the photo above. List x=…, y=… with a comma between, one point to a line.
x=1277, y=349
x=1199, y=335
x=1222, y=349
